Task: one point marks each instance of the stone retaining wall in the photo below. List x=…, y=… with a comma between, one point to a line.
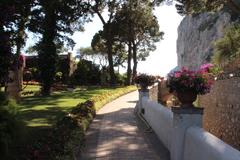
x=222, y=110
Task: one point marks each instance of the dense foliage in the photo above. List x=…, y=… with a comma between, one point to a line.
x=10, y=126
x=130, y=23
x=6, y=57
x=95, y=55
x=55, y=21
x=198, y=6
x=52, y=22
x=111, y=7
x=14, y=18
x=139, y=30
x=227, y=48
x=87, y=73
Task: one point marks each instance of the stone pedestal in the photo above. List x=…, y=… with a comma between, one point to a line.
x=13, y=86
x=142, y=93
x=183, y=118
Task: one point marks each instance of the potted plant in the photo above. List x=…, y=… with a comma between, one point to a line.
x=144, y=80
x=187, y=84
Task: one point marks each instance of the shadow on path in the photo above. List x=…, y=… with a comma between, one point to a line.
x=119, y=135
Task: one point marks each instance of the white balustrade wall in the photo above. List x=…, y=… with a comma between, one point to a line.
x=160, y=119
x=198, y=144
x=201, y=145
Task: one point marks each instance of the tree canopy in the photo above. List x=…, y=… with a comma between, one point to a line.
x=96, y=56
x=139, y=29
x=55, y=21
x=6, y=24
x=129, y=23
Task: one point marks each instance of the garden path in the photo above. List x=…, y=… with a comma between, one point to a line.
x=117, y=134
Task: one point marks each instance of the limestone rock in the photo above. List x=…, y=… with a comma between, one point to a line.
x=196, y=36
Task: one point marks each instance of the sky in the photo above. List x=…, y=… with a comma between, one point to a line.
x=163, y=59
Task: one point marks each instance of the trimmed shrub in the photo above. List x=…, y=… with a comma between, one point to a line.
x=66, y=138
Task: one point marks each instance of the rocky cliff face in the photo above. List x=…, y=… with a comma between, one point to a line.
x=196, y=36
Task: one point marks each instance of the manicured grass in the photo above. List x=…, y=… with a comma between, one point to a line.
x=41, y=114
x=44, y=111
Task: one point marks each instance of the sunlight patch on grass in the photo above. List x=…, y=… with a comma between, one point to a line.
x=38, y=122
x=39, y=111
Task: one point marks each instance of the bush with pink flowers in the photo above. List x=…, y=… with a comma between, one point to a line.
x=186, y=80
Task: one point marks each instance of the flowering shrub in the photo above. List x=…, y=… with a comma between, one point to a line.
x=205, y=68
x=186, y=80
x=144, y=80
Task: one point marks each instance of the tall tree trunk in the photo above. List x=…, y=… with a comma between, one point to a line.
x=135, y=62
x=109, y=48
x=19, y=44
x=20, y=36
x=47, y=54
x=129, y=67
x=110, y=62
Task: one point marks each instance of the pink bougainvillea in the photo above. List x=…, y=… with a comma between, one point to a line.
x=199, y=81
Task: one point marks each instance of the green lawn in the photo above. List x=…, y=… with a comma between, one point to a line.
x=37, y=111
x=40, y=114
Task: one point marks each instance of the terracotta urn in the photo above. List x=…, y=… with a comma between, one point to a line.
x=187, y=98
x=144, y=87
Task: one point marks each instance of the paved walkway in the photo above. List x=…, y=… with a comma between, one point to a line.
x=116, y=134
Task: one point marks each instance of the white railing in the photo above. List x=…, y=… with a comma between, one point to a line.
x=181, y=133
x=160, y=119
x=201, y=145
